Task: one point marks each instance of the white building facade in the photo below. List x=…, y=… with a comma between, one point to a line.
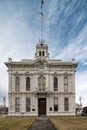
x=41, y=86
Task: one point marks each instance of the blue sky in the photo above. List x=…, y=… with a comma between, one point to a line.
x=65, y=32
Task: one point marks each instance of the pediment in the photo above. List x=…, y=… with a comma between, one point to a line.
x=40, y=61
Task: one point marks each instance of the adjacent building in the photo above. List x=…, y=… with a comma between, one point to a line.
x=41, y=86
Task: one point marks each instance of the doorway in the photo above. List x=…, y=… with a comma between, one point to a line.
x=42, y=106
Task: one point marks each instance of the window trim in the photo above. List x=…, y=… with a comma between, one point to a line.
x=66, y=104
x=41, y=83
x=17, y=104
x=28, y=83
x=55, y=83
x=55, y=104
x=28, y=105
x=17, y=83
x=65, y=83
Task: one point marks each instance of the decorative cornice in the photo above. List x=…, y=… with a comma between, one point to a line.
x=28, y=74
x=20, y=92
x=41, y=92
x=16, y=73
x=61, y=74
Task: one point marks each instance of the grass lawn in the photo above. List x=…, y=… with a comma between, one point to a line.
x=70, y=123
x=16, y=123
x=2, y=115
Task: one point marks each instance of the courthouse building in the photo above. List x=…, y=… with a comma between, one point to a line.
x=41, y=86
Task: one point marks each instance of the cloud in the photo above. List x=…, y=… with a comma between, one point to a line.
x=85, y=63
x=76, y=47
x=64, y=23
x=81, y=87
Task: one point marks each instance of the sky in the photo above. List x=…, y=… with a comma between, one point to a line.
x=64, y=30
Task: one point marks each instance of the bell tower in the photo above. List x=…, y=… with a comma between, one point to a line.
x=42, y=51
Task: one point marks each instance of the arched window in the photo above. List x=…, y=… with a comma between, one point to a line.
x=66, y=104
x=43, y=53
x=41, y=83
x=27, y=84
x=39, y=53
x=65, y=83
x=17, y=84
x=55, y=84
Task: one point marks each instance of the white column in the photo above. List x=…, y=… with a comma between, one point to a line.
x=23, y=103
x=23, y=83
x=61, y=84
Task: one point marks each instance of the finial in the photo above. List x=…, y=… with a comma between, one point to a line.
x=9, y=60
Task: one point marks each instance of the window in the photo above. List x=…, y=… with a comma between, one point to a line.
x=41, y=83
x=17, y=104
x=43, y=53
x=55, y=84
x=27, y=104
x=55, y=104
x=17, y=84
x=66, y=104
x=65, y=83
x=27, y=84
x=39, y=53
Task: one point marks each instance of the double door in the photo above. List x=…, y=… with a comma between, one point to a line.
x=42, y=106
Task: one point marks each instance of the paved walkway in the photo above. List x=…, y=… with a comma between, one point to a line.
x=42, y=124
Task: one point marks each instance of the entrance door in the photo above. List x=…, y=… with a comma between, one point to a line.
x=42, y=106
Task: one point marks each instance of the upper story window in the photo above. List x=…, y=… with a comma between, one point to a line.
x=65, y=83
x=43, y=53
x=41, y=83
x=39, y=53
x=28, y=84
x=55, y=84
x=66, y=104
x=17, y=84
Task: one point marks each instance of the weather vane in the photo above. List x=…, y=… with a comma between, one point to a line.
x=42, y=15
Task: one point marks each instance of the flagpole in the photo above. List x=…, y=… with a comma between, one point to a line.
x=41, y=26
x=42, y=15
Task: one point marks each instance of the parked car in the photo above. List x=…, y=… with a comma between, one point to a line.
x=3, y=111
x=84, y=112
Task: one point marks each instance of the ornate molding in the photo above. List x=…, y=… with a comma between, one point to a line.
x=27, y=73
x=55, y=74
x=16, y=74
x=61, y=74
